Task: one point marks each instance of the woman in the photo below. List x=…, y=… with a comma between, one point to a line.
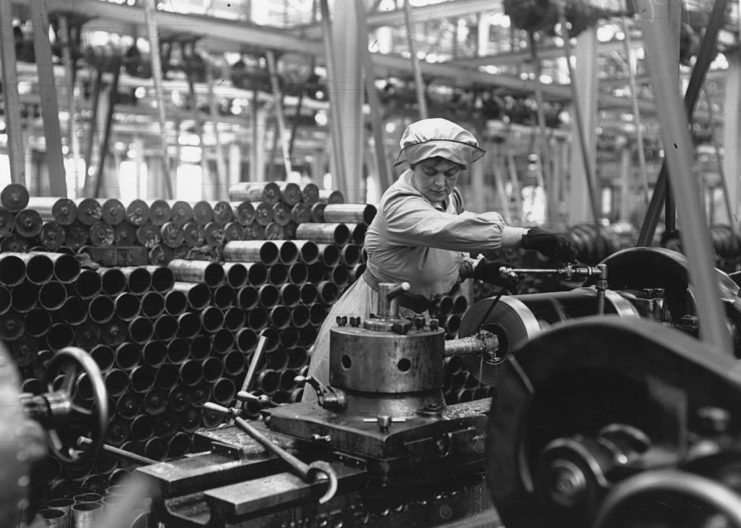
x=422, y=235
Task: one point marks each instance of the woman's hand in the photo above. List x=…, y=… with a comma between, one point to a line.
x=549, y=244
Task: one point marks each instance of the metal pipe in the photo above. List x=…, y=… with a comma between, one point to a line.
x=51, y=236
x=212, y=319
x=148, y=235
x=339, y=274
x=263, y=213
x=197, y=293
x=60, y=335
x=172, y=235
x=212, y=369
x=300, y=316
x=163, y=278
x=234, y=363
x=257, y=318
x=191, y=373
x=89, y=211
x=317, y=313
x=199, y=395
x=52, y=296
x=141, y=428
x=236, y=274
x=116, y=382
x=101, y=234
x=223, y=213
x=178, y=445
x=24, y=297
x=234, y=231
x=329, y=254
x=279, y=317
x=268, y=381
x=142, y=379
x=14, y=243
x=460, y=304
x=244, y=212
x=154, y=353
x=298, y=273
x=176, y=302
x=28, y=223
x=112, y=280
x=257, y=273
x=103, y=357
x=124, y=234
x=11, y=326
x=193, y=234
x=203, y=212
x=126, y=306
x=24, y=350
x=155, y=448
x=127, y=355
x=180, y=212
x=63, y=211
x=290, y=294
x=210, y=273
x=101, y=309
x=222, y=296
x=308, y=293
x=327, y=233
x=87, y=285
x=300, y=213
x=159, y=212
x=87, y=335
x=86, y=514
x=233, y=318
x=327, y=292
x=12, y=269
x=190, y=420
x=188, y=325
x=152, y=304
x=268, y=295
x=452, y=323
x=165, y=327
x=265, y=252
x=178, y=350
x=357, y=233
x=297, y=357
x=7, y=223
x=37, y=267
x=167, y=376
x=281, y=213
x=247, y=297
x=200, y=347
x=222, y=341
x=277, y=360
x=277, y=274
x=349, y=213
x=214, y=234
x=140, y=330
x=246, y=340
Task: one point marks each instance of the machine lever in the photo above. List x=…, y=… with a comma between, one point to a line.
x=318, y=470
x=121, y=454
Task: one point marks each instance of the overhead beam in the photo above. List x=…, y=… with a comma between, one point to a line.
x=395, y=17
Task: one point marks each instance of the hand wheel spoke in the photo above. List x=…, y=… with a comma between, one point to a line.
x=79, y=413
x=70, y=372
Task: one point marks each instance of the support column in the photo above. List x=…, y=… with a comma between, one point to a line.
x=347, y=100
x=732, y=132
x=235, y=165
x=626, y=181
x=585, y=78
x=13, y=122
x=49, y=105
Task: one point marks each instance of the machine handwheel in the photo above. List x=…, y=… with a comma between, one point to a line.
x=68, y=370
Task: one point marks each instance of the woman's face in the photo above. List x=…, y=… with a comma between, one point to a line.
x=435, y=178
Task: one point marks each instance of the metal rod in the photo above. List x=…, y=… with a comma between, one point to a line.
x=12, y=110
x=419, y=86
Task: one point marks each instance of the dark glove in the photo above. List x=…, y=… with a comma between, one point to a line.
x=488, y=271
x=549, y=244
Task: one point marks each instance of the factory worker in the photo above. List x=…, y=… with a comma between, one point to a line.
x=423, y=235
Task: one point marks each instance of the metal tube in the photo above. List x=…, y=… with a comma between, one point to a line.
x=265, y=252
x=141, y=428
x=203, y=212
x=12, y=269
x=87, y=335
x=212, y=319
x=329, y=254
x=127, y=355
x=180, y=212
x=327, y=292
x=234, y=363
x=172, y=234
x=176, y=302
x=200, y=347
x=52, y=296
x=87, y=285
x=257, y=318
x=38, y=268
x=298, y=273
x=279, y=317
x=124, y=234
x=222, y=296
x=177, y=350
x=188, y=325
x=89, y=211
x=308, y=293
x=236, y=274
x=277, y=274
x=233, y=231
x=357, y=233
x=148, y=235
x=155, y=401
x=339, y=274
x=24, y=350
x=24, y=297
x=178, y=445
x=194, y=234
x=224, y=391
x=214, y=234
x=74, y=311
x=300, y=316
x=246, y=340
x=197, y=293
x=155, y=448
x=349, y=213
x=112, y=280
x=327, y=233
x=101, y=309
x=268, y=381
x=297, y=357
x=244, y=212
x=167, y=376
x=268, y=295
x=163, y=278
x=257, y=273
x=52, y=236
x=140, y=330
x=116, y=382
x=212, y=369
x=85, y=514
x=152, y=304
x=154, y=353
x=290, y=294
x=11, y=326
x=103, y=357
x=247, y=297
x=60, y=335
x=126, y=306
x=210, y=273
x=300, y=213
x=233, y=318
x=317, y=313
x=7, y=223
x=222, y=341
x=165, y=327
x=277, y=360
x=159, y=212
x=28, y=223
x=142, y=379
x=191, y=373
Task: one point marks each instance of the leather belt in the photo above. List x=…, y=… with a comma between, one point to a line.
x=413, y=301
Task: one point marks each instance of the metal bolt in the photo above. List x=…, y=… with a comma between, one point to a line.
x=321, y=438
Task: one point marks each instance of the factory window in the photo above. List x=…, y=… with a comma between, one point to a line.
x=189, y=182
x=132, y=180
